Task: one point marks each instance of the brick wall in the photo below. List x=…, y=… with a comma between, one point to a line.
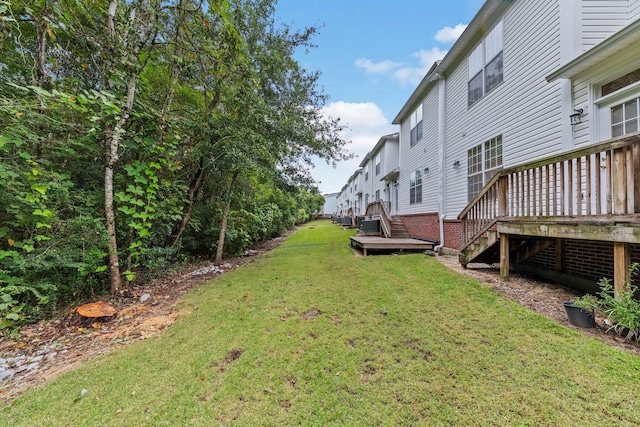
x=427, y=226
x=583, y=258
x=452, y=233
x=423, y=226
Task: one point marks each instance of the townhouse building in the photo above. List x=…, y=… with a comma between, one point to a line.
x=496, y=145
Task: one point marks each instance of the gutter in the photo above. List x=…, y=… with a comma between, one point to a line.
x=441, y=160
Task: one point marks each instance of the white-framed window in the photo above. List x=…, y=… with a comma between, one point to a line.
x=415, y=187
x=366, y=171
x=483, y=161
x=624, y=118
x=377, y=195
x=486, y=65
x=378, y=163
x=366, y=199
x=416, y=126
x=617, y=105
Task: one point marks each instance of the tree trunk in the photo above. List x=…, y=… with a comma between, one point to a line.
x=109, y=212
x=41, y=61
x=188, y=208
x=225, y=216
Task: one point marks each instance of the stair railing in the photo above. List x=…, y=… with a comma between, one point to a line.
x=380, y=209
x=600, y=179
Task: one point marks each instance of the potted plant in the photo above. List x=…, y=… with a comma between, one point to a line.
x=622, y=312
x=580, y=315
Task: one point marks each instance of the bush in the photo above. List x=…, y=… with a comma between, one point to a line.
x=623, y=312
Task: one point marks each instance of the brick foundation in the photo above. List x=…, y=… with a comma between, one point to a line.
x=427, y=226
x=585, y=259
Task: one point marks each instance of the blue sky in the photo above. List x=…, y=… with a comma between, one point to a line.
x=372, y=54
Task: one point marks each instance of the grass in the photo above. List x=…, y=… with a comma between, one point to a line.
x=311, y=335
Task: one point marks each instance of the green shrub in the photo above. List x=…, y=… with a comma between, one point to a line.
x=622, y=312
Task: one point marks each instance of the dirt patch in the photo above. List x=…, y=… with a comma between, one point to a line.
x=312, y=313
x=48, y=349
x=539, y=296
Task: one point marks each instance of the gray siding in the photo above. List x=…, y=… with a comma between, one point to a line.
x=634, y=10
x=424, y=154
x=524, y=108
x=603, y=17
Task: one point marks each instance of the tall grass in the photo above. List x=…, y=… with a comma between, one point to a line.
x=312, y=335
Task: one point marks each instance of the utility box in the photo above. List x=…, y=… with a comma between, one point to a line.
x=370, y=226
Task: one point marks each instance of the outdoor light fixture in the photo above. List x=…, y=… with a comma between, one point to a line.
x=456, y=163
x=426, y=170
x=575, y=117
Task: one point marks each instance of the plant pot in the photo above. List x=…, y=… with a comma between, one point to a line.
x=579, y=317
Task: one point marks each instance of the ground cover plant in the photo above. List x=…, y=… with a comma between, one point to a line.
x=312, y=335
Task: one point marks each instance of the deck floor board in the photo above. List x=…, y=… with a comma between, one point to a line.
x=367, y=243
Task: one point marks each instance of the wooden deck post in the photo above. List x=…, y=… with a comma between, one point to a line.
x=504, y=257
x=503, y=191
x=560, y=255
x=621, y=256
x=621, y=263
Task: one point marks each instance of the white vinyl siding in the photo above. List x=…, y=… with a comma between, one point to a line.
x=596, y=123
x=601, y=18
x=634, y=10
x=524, y=108
x=422, y=156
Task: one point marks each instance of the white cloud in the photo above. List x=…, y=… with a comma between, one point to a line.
x=426, y=58
x=379, y=67
x=448, y=34
x=365, y=123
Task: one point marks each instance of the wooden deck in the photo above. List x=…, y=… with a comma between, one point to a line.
x=374, y=243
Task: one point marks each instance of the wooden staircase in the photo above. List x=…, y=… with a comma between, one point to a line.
x=398, y=229
x=591, y=193
x=484, y=249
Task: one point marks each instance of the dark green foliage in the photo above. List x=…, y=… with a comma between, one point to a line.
x=218, y=95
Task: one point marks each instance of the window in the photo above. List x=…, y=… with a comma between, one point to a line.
x=377, y=194
x=416, y=126
x=415, y=187
x=366, y=199
x=483, y=161
x=620, y=82
x=618, y=106
x=378, y=160
x=624, y=118
x=366, y=172
x=485, y=65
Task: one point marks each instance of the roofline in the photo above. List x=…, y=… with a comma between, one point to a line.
x=383, y=139
x=417, y=93
x=489, y=11
x=354, y=175
x=602, y=49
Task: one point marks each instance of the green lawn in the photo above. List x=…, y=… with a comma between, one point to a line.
x=309, y=334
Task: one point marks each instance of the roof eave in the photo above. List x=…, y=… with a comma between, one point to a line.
x=489, y=11
x=606, y=48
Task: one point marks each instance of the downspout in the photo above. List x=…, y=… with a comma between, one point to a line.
x=441, y=158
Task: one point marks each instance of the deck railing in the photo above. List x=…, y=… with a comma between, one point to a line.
x=381, y=209
x=596, y=180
